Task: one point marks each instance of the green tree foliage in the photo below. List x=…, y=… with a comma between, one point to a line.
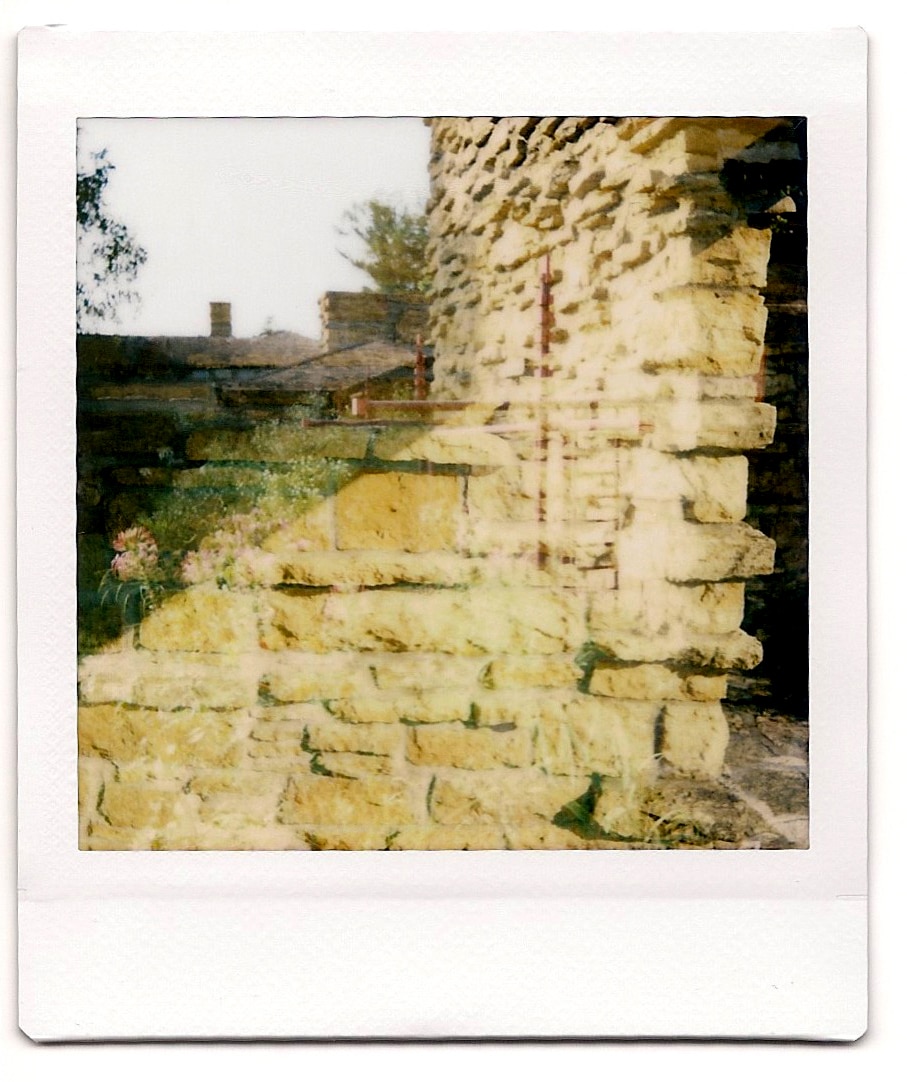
x=107, y=255
x=395, y=243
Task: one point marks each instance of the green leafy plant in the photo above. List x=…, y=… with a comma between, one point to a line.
x=107, y=255
x=395, y=242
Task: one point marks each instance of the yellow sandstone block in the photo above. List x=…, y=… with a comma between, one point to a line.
x=202, y=618
x=169, y=681
x=403, y=511
x=468, y=749
x=187, y=737
x=602, y=736
x=654, y=682
x=500, y=798
x=695, y=737
x=423, y=672
x=300, y=676
x=140, y=807
x=364, y=739
x=531, y=671
x=347, y=802
x=445, y=446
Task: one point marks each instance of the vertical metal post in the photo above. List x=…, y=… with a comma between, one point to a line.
x=420, y=378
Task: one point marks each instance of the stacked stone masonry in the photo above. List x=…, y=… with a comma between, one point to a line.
x=537, y=592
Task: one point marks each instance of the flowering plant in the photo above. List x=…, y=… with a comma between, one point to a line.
x=231, y=555
x=135, y=577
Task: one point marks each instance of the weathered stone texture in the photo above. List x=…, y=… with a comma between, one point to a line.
x=487, y=612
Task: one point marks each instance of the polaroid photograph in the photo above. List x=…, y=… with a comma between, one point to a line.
x=429, y=535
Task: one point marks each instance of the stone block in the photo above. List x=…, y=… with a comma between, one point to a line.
x=205, y=619
x=611, y=737
x=494, y=620
x=695, y=329
x=424, y=672
x=472, y=446
x=294, y=622
x=365, y=711
x=656, y=682
x=418, y=707
x=236, y=781
x=169, y=681
x=500, y=798
x=437, y=837
x=300, y=677
x=350, y=764
x=511, y=495
x=356, y=569
x=138, y=807
x=361, y=739
x=280, y=756
x=208, y=738
x=710, y=488
x=311, y=530
x=468, y=749
x=695, y=737
x=687, y=552
x=239, y=811
x=530, y=671
x=736, y=650
x=713, y=608
x=739, y=258
x=348, y=802
x=721, y=424
x=400, y=511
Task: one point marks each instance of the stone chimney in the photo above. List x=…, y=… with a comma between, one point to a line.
x=220, y=320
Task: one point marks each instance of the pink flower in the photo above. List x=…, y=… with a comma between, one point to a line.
x=137, y=554
x=198, y=567
x=128, y=566
x=135, y=539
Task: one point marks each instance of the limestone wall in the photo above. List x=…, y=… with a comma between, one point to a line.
x=678, y=266
x=400, y=671
x=502, y=623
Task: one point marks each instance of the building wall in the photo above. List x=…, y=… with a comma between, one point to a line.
x=393, y=673
x=506, y=622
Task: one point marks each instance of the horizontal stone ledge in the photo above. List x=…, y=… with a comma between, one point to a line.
x=170, y=681
x=355, y=569
x=735, y=650
x=724, y=136
x=683, y=552
x=648, y=682
x=458, y=446
x=482, y=620
x=408, y=707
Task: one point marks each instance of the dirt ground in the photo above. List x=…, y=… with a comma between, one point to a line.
x=761, y=801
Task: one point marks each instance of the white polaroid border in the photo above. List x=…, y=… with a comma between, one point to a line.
x=429, y=945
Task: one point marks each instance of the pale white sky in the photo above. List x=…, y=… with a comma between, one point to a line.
x=246, y=210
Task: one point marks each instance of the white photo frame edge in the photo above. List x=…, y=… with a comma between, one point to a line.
x=700, y=944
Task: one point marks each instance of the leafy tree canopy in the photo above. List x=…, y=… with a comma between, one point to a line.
x=395, y=243
x=107, y=255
